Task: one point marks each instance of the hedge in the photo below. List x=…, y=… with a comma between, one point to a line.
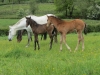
x=4, y=32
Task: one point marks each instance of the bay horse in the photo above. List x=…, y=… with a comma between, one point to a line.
x=39, y=29
x=21, y=24
x=65, y=27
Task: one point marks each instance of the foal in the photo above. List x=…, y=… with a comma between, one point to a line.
x=39, y=29
x=65, y=27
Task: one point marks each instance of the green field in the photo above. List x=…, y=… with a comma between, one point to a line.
x=16, y=59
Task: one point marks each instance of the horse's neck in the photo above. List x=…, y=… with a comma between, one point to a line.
x=20, y=24
x=33, y=24
x=56, y=22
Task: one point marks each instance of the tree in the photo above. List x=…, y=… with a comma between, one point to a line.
x=33, y=6
x=65, y=6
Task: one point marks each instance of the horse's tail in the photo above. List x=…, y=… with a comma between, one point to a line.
x=85, y=29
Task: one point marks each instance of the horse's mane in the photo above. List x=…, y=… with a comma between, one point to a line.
x=59, y=20
x=36, y=24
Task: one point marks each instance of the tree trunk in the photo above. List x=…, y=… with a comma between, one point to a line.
x=71, y=12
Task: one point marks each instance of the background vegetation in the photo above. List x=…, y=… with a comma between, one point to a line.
x=65, y=8
x=12, y=11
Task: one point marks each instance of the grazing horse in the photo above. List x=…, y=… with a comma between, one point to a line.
x=65, y=27
x=21, y=24
x=39, y=29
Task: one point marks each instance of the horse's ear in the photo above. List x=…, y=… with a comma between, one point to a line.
x=30, y=17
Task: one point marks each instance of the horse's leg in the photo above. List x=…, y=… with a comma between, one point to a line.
x=51, y=38
x=61, y=40
x=79, y=39
x=55, y=35
x=64, y=40
x=82, y=43
x=38, y=43
x=36, y=40
x=34, y=44
x=29, y=36
x=41, y=36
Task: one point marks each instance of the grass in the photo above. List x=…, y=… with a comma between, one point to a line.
x=16, y=59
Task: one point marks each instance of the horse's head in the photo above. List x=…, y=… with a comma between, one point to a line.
x=12, y=32
x=28, y=21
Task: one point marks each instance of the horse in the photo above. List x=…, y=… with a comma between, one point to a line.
x=39, y=29
x=64, y=27
x=21, y=24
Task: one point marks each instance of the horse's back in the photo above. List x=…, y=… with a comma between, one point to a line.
x=80, y=24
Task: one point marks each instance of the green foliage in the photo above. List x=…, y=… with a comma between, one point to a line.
x=21, y=13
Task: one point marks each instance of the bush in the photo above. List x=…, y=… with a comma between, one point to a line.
x=20, y=12
x=3, y=32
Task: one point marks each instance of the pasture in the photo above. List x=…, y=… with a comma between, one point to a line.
x=16, y=59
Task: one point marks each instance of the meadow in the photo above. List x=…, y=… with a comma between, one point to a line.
x=16, y=59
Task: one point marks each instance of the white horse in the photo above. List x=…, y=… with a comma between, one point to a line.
x=21, y=24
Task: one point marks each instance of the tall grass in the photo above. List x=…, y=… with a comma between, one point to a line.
x=16, y=59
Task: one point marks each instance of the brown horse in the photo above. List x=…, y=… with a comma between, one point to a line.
x=65, y=27
x=39, y=29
